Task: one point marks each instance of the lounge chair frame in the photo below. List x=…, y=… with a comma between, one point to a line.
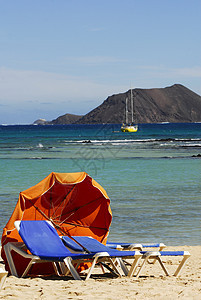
x=118, y=257
x=67, y=266
x=146, y=256
x=157, y=256
x=20, y=248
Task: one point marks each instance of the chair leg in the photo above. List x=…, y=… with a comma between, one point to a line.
x=132, y=270
x=137, y=257
x=3, y=275
x=146, y=257
x=162, y=265
x=186, y=256
x=102, y=268
x=91, y=268
x=64, y=270
x=55, y=268
x=28, y=268
x=103, y=256
x=114, y=270
x=122, y=265
x=68, y=263
x=8, y=249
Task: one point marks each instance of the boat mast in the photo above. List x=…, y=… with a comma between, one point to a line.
x=131, y=106
x=126, y=110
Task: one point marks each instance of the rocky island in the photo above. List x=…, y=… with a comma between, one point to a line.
x=175, y=104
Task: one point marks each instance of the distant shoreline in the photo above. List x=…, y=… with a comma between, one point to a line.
x=92, y=124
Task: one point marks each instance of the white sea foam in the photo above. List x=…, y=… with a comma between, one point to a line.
x=112, y=141
x=40, y=145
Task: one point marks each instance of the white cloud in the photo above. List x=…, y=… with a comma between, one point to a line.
x=188, y=72
x=27, y=95
x=44, y=87
x=193, y=72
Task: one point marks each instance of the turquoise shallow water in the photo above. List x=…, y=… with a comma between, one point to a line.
x=152, y=177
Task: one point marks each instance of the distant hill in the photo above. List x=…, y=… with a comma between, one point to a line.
x=66, y=119
x=175, y=104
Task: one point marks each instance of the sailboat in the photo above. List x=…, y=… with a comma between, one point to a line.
x=129, y=127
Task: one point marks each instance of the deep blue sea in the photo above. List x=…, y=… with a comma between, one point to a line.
x=153, y=177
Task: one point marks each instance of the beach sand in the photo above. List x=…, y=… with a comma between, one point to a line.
x=152, y=284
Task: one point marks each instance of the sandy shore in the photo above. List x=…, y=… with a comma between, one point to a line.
x=151, y=285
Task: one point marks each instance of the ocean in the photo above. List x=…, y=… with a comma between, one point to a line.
x=153, y=177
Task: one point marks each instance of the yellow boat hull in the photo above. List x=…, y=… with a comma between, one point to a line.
x=129, y=128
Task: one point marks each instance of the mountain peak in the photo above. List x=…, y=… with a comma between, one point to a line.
x=174, y=104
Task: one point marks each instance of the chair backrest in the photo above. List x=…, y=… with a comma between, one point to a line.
x=71, y=244
x=42, y=239
x=91, y=244
x=94, y=246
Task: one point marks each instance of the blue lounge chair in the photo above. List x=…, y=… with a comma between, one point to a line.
x=184, y=254
x=90, y=243
x=45, y=245
x=131, y=246
x=93, y=245
x=77, y=248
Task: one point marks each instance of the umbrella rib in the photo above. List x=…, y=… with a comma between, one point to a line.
x=57, y=226
x=39, y=210
x=69, y=223
x=63, y=202
x=85, y=226
x=76, y=209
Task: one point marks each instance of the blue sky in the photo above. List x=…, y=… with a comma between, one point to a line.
x=68, y=56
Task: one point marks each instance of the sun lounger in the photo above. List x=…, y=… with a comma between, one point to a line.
x=93, y=245
x=184, y=255
x=131, y=246
x=90, y=243
x=3, y=275
x=45, y=245
x=76, y=247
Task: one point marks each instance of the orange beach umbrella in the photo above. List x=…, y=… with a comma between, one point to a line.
x=74, y=202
